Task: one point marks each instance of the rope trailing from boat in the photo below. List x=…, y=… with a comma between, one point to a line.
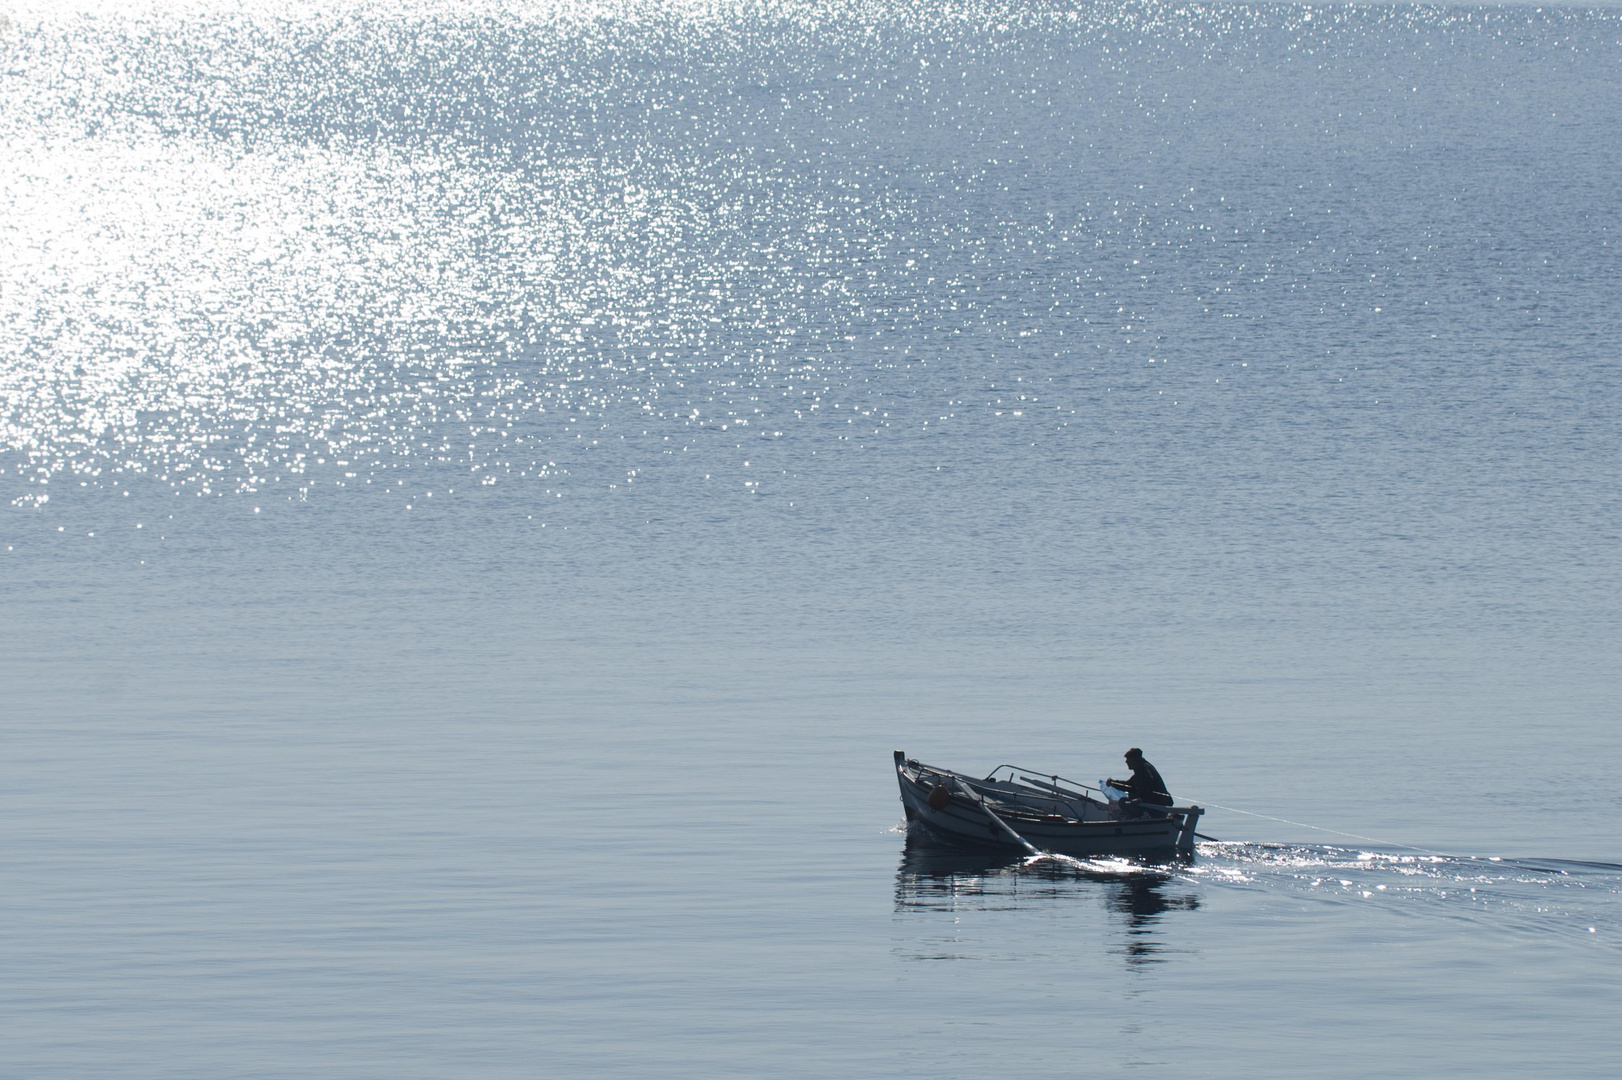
x=1320, y=828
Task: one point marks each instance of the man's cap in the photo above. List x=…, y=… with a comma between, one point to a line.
x=1133, y=753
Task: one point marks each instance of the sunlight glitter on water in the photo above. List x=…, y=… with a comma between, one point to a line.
x=224, y=328
x=222, y=301
x=242, y=247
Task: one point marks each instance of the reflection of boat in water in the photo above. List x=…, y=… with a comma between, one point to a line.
x=945, y=877
x=932, y=872
x=1038, y=812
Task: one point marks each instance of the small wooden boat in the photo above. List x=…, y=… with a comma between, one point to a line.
x=1039, y=812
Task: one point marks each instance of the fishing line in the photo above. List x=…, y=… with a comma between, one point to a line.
x=1335, y=832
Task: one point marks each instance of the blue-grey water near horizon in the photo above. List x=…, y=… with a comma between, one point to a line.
x=484, y=489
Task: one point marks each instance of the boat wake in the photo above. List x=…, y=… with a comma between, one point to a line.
x=1529, y=896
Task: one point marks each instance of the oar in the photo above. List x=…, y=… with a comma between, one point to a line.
x=975, y=796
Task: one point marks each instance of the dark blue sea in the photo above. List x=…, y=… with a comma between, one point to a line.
x=486, y=487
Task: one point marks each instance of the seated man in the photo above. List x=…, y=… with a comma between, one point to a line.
x=1146, y=786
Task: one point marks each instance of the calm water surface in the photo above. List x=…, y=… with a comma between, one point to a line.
x=487, y=487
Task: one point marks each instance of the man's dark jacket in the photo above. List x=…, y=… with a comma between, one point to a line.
x=1147, y=786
